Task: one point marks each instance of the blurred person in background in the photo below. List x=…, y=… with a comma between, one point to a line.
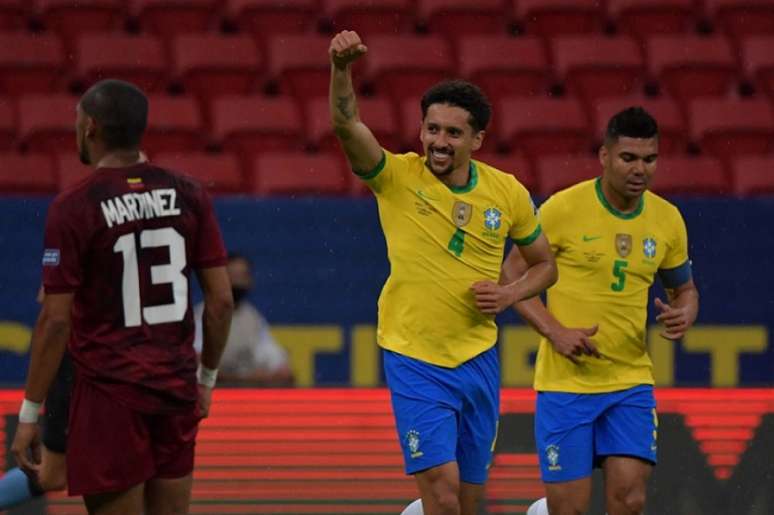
x=446, y=219
x=252, y=356
x=595, y=403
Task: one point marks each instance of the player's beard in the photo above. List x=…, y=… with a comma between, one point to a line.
x=436, y=171
x=83, y=152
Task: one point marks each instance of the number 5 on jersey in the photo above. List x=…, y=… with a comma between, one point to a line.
x=171, y=273
x=619, y=273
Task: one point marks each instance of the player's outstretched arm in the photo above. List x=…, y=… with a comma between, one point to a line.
x=569, y=342
x=363, y=151
x=681, y=312
x=216, y=322
x=49, y=339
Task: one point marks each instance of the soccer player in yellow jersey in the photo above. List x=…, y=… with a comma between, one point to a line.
x=595, y=404
x=446, y=219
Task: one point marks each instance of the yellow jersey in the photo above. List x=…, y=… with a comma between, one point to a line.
x=441, y=240
x=607, y=261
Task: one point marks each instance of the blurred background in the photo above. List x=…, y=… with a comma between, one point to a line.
x=238, y=99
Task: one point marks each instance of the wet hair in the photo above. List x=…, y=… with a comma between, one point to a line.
x=462, y=94
x=633, y=122
x=120, y=109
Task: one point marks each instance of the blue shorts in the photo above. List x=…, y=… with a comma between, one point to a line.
x=575, y=432
x=446, y=414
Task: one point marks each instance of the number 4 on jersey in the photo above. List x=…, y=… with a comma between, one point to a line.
x=457, y=242
x=170, y=273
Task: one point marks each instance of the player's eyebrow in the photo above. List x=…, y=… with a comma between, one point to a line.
x=634, y=155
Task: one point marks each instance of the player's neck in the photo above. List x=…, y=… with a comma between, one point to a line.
x=121, y=159
x=459, y=178
x=618, y=201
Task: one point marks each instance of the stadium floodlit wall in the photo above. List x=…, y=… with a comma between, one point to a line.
x=320, y=264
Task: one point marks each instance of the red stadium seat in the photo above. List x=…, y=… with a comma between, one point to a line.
x=729, y=128
x=758, y=62
x=299, y=64
x=12, y=14
x=377, y=113
x=71, y=19
x=30, y=63
x=543, y=126
x=551, y=18
x=556, y=173
x=455, y=18
x=137, y=59
x=504, y=66
x=373, y=17
x=174, y=125
x=211, y=65
x=692, y=66
x=673, y=133
x=279, y=173
x=26, y=173
x=7, y=124
x=220, y=173
x=411, y=124
x=514, y=164
x=254, y=124
x=643, y=18
x=264, y=18
x=172, y=17
x=597, y=66
x=405, y=66
x=753, y=175
x=70, y=171
x=47, y=123
x=742, y=17
x=691, y=175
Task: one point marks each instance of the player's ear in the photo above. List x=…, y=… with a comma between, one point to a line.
x=90, y=128
x=478, y=140
x=603, y=153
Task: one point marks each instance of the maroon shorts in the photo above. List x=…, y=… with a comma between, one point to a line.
x=111, y=447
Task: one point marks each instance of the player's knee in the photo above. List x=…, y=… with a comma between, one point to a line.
x=446, y=498
x=632, y=498
x=566, y=507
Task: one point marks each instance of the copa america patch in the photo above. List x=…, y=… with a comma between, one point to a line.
x=51, y=257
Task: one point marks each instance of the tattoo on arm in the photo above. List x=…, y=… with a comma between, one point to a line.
x=346, y=106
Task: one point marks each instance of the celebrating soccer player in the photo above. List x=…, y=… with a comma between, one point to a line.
x=595, y=404
x=446, y=219
x=120, y=247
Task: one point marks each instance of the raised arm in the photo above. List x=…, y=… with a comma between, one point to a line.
x=363, y=151
x=569, y=342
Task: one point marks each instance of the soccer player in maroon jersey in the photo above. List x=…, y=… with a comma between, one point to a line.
x=120, y=247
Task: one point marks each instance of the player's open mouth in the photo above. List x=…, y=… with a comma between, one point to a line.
x=441, y=156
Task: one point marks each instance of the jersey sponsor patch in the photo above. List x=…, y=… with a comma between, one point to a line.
x=51, y=257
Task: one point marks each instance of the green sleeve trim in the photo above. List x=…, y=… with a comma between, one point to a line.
x=376, y=171
x=523, y=242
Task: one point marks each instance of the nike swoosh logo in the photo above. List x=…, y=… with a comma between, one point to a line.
x=423, y=196
x=591, y=238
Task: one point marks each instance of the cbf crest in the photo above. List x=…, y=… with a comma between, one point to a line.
x=461, y=213
x=412, y=440
x=492, y=218
x=623, y=244
x=552, y=455
x=649, y=248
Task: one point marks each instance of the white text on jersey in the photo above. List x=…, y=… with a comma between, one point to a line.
x=137, y=206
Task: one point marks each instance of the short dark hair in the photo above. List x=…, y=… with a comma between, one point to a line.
x=632, y=122
x=460, y=93
x=238, y=256
x=121, y=110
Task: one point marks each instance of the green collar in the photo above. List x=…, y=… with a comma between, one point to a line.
x=613, y=211
x=472, y=180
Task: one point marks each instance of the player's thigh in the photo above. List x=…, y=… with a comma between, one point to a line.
x=629, y=426
x=53, y=471
x=626, y=480
x=480, y=388
x=127, y=502
x=564, y=436
x=172, y=440
x=168, y=496
x=426, y=412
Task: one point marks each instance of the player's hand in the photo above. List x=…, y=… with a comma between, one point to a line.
x=675, y=320
x=346, y=48
x=574, y=342
x=492, y=298
x=205, y=400
x=26, y=447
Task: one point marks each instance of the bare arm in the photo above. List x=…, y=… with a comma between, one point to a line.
x=539, y=273
x=681, y=312
x=216, y=317
x=363, y=151
x=569, y=342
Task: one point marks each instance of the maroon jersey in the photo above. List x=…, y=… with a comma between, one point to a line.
x=124, y=242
